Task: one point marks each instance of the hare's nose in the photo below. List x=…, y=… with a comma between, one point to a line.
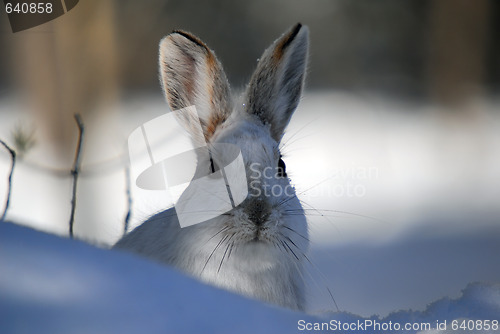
x=257, y=209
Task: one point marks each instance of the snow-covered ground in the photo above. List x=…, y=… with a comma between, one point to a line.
x=55, y=285
x=402, y=201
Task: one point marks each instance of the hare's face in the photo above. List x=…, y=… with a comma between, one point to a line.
x=271, y=216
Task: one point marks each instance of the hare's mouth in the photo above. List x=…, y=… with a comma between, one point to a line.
x=258, y=240
x=254, y=236
x=259, y=237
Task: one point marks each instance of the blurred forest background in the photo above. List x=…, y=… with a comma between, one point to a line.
x=442, y=52
x=446, y=51
x=417, y=49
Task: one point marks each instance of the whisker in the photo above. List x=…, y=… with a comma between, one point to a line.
x=315, y=267
x=212, y=253
x=293, y=243
x=230, y=250
x=279, y=247
x=300, y=235
x=201, y=247
x=304, y=191
x=288, y=246
x=225, y=252
x=316, y=184
x=287, y=142
x=352, y=214
x=323, y=216
x=225, y=228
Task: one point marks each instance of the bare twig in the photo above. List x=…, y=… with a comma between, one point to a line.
x=9, y=191
x=129, y=199
x=75, y=171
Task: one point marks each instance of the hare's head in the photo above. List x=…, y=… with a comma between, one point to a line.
x=271, y=215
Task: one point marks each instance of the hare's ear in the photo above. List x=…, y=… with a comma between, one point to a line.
x=192, y=75
x=276, y=85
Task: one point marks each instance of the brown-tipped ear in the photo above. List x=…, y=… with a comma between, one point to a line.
x=191, y=75
x=276, y=85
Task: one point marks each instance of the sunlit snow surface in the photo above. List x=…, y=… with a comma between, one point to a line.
x=55, y=285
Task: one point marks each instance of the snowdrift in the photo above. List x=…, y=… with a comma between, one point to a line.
x=50, y=284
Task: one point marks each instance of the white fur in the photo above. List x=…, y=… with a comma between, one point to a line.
x=258, y=248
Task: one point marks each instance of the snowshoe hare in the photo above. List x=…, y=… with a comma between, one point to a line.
x=258, y=248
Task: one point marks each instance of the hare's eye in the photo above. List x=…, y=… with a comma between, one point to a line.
x=212, y=165
x=281, y=168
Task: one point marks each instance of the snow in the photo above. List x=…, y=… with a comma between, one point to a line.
x=50, y=284
x=54, y=285
x=418, y=268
